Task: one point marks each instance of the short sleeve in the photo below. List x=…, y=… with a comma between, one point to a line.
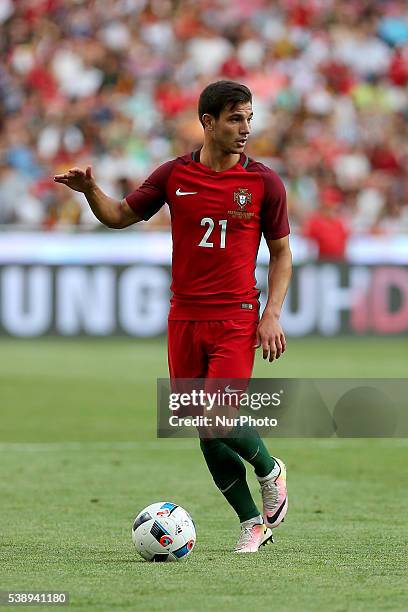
x=274, y=213
x=148, y=199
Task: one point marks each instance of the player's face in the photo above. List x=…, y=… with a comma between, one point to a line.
x=232, y=128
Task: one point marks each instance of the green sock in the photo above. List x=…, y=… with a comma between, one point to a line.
x=229, y=474
x=246, y=441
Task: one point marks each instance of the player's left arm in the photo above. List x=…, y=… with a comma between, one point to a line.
x=270, y=335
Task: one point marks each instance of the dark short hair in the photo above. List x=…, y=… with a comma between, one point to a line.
x=217, y=96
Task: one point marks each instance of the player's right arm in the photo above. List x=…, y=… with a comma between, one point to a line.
x=112, y=213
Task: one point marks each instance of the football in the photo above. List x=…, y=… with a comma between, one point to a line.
x=164, y=532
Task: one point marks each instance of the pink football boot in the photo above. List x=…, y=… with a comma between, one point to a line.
x=274, y=496
x=253, y=536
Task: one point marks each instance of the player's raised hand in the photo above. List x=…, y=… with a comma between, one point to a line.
x=77, y=179
x=270, y=336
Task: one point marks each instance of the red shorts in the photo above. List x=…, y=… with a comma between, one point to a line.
x=211, y=349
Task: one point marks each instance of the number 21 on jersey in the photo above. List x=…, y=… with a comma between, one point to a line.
x=207, y=221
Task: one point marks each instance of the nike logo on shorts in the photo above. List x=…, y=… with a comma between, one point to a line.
x=229, y=390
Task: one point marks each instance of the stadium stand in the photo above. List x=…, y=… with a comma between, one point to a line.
x=115, y=83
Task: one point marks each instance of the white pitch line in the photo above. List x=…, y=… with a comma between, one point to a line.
x=180, y=444
x=339, y=442
x=44, y=447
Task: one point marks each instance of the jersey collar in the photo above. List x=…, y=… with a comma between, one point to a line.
x=243, y=160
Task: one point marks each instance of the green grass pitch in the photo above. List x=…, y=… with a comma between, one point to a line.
x=79, y=459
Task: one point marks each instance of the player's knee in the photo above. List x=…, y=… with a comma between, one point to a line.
x=215, y=431
x=210, y=445
x=225, y=430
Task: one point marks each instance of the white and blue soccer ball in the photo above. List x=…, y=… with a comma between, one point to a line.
x=164, y=532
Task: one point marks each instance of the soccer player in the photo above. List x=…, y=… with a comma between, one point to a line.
x=221, y=202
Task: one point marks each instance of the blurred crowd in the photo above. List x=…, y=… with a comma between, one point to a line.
x=115, y=83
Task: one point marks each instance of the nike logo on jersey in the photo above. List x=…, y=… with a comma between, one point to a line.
x=181, y=193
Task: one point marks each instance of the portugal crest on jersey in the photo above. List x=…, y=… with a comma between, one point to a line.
x=242, y=197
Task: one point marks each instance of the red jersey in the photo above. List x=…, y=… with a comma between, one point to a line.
x=217, y=219
x=330, y=235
